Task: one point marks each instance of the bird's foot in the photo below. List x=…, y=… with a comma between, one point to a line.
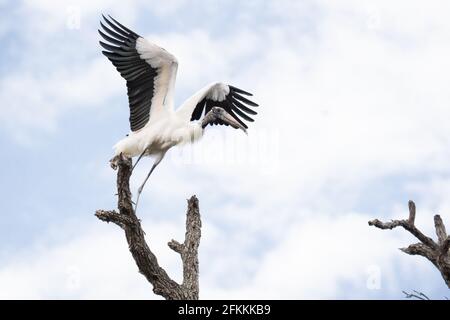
x=114, y=162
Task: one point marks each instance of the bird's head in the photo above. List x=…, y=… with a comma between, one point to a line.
x=221, y=114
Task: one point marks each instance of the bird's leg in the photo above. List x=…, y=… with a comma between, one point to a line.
x=142, y=154
x=158, y=160
x=142, y=186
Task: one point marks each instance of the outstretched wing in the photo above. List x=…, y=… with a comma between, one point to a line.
x=220, y=95
x=149, y=70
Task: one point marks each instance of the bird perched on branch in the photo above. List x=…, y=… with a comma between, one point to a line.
x=150, y=73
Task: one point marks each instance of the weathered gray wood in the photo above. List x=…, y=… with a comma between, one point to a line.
x=189, y=250
x=436, y=252
x=145, y=259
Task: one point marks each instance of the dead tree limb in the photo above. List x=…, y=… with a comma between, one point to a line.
x=436, y=252
x=416, y=295
x=145, y=259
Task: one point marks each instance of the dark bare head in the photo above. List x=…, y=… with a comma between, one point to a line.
x=219, y=114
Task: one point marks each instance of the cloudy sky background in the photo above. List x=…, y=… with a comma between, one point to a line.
x=353, y=123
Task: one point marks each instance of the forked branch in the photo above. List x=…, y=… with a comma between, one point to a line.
x=145, y=259
x=436, y=252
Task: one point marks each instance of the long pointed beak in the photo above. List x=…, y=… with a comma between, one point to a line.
x=226, y=117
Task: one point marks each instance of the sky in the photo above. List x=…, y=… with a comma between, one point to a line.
x=352, y=123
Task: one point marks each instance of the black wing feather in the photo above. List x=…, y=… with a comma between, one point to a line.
x=240, y=91
x=121, y=51
x=243, y=115
x=110, y=39
x=117, y=29
x=123, y=27
x=113, y=34
x=233, y=104
x=242, y=107
x=245, y=100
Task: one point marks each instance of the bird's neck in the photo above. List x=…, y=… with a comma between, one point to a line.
x=185, y=110
x=188, y=133
x=196, y=131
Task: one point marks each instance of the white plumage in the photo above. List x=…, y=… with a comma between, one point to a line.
x=150, y=72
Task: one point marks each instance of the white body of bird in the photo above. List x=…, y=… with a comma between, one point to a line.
x=169, y=128
x=159, y=137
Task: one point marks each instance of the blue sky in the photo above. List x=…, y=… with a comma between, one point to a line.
x=352, y=125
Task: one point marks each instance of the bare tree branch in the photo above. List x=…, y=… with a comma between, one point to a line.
x=421, y=250
x=407, y=226
x=417, y=295
x=445, y=245
x=436, y=252
x=412, y=212
x=145, y=259
x=440, y=229
x=189, y=248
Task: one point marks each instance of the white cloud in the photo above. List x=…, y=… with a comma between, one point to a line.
x=54, y=67
x=317, y=258
x=35, y=101
x=350, y=104
x=361, y=95
x=315, y=253
x=95, y=264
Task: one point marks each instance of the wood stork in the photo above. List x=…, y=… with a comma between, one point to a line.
x=150, y=73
